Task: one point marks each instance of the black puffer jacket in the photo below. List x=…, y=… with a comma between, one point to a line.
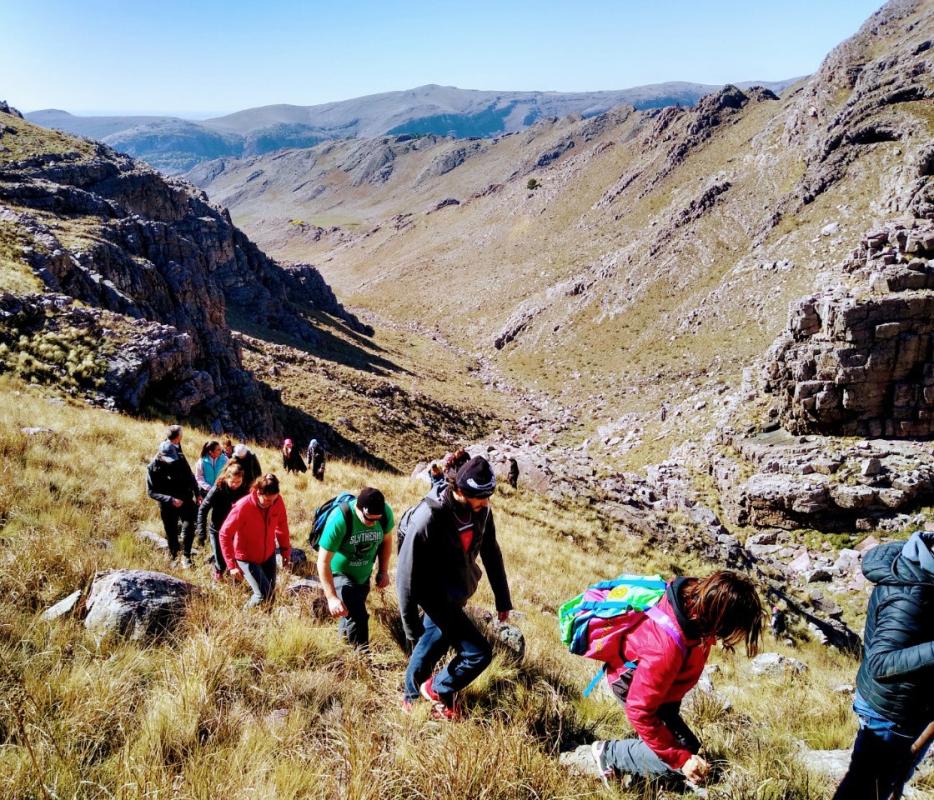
x=169, y=477
x=216, y=506
x=897, y=671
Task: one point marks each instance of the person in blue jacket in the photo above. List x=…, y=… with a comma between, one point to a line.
x=895, y=683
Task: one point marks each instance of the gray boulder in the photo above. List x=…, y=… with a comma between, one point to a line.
x=505, y=637
x=138, y=604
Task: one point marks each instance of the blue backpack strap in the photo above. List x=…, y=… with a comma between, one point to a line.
x=642, y=583
x=348, y=518
x=596, y=679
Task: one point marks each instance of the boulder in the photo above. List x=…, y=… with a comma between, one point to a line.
x=775, y=664
x=138, y=604
x=310, y=593
x=505, y=637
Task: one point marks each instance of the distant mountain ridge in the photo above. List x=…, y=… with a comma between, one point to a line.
x=174, y=145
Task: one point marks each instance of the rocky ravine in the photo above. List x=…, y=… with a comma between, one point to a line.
x=155, y=269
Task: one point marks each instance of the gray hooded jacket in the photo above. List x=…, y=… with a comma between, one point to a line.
x=433, y=571
x=896, y=676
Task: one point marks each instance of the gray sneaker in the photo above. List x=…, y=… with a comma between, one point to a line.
x=186, y=562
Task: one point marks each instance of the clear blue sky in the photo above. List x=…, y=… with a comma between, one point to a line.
x=213, y=56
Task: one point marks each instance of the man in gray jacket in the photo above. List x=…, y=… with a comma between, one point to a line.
x=895, y=683
x=437, y=570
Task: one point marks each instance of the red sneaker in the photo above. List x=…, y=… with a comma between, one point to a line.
x=427, y=690
x=439, y=709
x=445, y=713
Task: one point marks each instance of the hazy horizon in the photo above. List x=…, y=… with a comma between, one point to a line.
x=212, y=58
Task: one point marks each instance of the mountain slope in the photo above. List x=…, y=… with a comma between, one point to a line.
x=631, y=265
x=175, y=145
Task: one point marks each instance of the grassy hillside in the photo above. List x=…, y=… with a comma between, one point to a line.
x=246, y=704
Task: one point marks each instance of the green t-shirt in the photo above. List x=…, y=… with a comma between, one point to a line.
x=355, y=553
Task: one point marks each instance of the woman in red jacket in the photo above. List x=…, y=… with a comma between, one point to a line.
x=249, y=535
x=669, y=650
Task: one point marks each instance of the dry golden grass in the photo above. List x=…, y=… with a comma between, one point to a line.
x=252, y=704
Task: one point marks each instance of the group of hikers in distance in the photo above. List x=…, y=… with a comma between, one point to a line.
x=652, y=636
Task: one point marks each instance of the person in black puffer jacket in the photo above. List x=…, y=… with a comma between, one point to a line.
x=216, y=506
x=895, y=683
x=171, y=483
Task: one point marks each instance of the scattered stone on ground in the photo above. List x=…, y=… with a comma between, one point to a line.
x=157, y=541
x=775, y=664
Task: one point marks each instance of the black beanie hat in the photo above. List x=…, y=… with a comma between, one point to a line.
x=371, y=501
x=476, y=478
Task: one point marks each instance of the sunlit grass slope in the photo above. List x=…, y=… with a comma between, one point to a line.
x=250, y=704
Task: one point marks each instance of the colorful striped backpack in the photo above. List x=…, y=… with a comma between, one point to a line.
x=595, y=623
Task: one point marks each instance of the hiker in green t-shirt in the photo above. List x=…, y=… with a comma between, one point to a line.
x=345, y=560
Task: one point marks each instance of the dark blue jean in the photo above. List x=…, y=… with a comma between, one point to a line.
x=882, y=762
x=446, y=628
x=355, y=627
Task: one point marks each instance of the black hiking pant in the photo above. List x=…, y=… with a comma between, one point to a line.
x=172, y=519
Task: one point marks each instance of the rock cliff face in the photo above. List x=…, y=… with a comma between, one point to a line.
x=859, y=359
x=166, y=265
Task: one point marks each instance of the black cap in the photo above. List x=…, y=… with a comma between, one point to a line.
x=476, y=478
x=371, y=502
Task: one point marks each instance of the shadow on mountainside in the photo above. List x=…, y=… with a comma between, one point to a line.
x=337, y=342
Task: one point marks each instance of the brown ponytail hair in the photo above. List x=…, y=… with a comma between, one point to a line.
x=725, y=605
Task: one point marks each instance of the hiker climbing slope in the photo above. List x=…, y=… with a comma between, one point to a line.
x=441, y=539
x=659, y=660
x=357, y=532
x=170, y=482
x=895, y=682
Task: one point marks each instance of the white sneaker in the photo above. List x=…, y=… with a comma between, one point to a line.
x=598, y=751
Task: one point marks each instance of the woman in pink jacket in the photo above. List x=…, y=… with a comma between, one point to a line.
x=249, y=535
x=663, y=659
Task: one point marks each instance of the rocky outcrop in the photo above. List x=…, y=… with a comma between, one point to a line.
x=776, y=480
x=859, y=360
x=125, y=242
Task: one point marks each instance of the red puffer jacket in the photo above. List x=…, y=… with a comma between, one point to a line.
x=664, y=674
x=250, y=533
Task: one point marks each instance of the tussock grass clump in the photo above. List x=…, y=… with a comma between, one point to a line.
x=243, y=703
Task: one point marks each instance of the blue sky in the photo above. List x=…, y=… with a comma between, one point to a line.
x=210, y=56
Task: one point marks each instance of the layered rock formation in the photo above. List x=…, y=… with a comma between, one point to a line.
x=859, y=360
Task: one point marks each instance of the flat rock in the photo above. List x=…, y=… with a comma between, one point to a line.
x=776, y=664
x=157, y=541
x=138, y=604
x=36, y=431
x=832, y=763
x=62, y=607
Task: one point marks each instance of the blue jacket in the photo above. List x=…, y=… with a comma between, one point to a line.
x=896, y=676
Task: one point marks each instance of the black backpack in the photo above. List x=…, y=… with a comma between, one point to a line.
x=323, y=511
